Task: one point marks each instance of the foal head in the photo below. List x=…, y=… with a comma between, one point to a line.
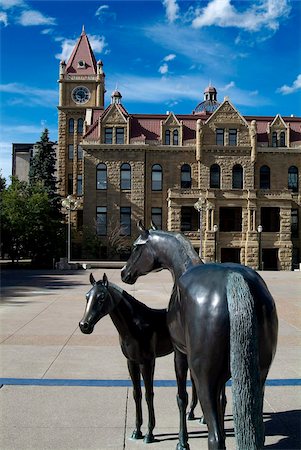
x=99, y=304
x=143, y=257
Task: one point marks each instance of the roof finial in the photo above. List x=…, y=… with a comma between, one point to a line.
x=83, y=30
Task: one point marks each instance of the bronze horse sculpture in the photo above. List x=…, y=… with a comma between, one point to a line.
x=143, y=335
x=224, y=321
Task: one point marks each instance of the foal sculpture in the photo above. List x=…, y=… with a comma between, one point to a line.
x=224, y=320
x=143, y=335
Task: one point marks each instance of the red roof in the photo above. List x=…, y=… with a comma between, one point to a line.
x=82, y=52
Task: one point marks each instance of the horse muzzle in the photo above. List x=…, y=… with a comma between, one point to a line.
x=127, y=276
x=86, y=327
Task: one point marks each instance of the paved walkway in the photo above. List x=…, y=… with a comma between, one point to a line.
x=64, y=390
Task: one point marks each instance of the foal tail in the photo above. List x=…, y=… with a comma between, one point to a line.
x=244, y=363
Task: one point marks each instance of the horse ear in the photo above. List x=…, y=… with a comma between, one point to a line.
x=140, y=226
x=92, y=279
x=105, y=280
x=153, y=226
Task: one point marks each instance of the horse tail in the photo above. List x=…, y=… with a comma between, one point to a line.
x=244, y=364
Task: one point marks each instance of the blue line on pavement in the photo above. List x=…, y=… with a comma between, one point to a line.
x=119, y=383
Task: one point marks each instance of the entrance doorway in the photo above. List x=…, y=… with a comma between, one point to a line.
x=230, y=255
x=270, y=258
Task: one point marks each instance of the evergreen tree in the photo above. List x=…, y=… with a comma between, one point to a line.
x=42, y=165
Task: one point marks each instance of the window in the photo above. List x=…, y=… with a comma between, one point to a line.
x=219, y=136
x=70, y=151
x=71, y=126
x=157, y=217
x=175, y=138
x=264, y=177
x=156, y=177
x=186, y=218
x=79, y=185
x=167, y=137
x=237, y=177
x=101, y=176
x=125, y=220
x=101, y=220
x=274, y=139
x=70, y=184
x=293, y=178
x=230, y=218
x=185, y=176
x=232, y=136
x=270, y=219
x=215, y=176
x=119, y=135
x=80, y=125
x=79, y=152
x=294, y=223
x=125, y=176
x=282, y=139
x=108, y=135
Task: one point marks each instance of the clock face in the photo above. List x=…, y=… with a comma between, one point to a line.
x=81, y=95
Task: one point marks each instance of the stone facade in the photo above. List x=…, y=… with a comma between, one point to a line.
x=244, y=170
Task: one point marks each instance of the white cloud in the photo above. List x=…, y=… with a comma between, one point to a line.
x=98, y=44
x=32, y=17
x=170, y=57
x=296, y=86
x=101, y=9
x=163, y=69
x=3, y=18
x=227, y=86
x=263, y=14
x=171, y=10
x=30, y=96
x=7, y=4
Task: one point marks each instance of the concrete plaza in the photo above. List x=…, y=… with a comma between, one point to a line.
x=63, y=390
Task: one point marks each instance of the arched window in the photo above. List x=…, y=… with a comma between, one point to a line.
x=264, y=177
x=71, y=126
x=80, y=125
x=282, y=139
x=274, y=139
x=215, y=176
x=175, y=138
x=125, y=176
x=101, y=176
x=185, y=176
x=293, y=178
x=237, y=177
x=156, y=177
x=167, y=137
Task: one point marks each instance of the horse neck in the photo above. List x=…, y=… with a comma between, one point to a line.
x=175, y=258
x=122, y=313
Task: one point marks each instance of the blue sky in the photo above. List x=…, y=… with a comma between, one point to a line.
x=160, y=54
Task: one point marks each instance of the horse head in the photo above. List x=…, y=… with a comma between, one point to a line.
x=99, y=304
x=143, y=259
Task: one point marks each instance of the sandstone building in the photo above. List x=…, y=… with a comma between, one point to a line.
x=242, y=173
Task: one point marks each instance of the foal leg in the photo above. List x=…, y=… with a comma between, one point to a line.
x=134, y=372
x=147, y=370
x=181, y=368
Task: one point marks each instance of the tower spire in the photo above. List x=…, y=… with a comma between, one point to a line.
x=83, y=31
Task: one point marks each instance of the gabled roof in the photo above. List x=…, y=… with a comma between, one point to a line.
x=226, y=104
x=171, y=119
x=82, y=52
x=277, y=121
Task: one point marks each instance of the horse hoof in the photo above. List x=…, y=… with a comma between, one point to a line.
x=203, y=421
x=136, y=435
x=149, y=438
x=182, y=447
x=190, y=415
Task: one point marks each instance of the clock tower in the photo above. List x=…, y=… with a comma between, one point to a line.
x=81, y=90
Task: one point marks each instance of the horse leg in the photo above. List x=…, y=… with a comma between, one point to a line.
x=181, y=368
x=210, y=397
x=147, y=370
x=194, y=400
x=222, y=409
x=137, y=394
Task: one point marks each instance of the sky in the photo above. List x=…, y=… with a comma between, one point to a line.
x=160, y=54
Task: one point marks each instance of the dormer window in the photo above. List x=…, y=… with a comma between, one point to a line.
x=167, y=137
x=81, y=64
x=232, y=136
x=220, y=136
x=175, y=138
x=282, y=139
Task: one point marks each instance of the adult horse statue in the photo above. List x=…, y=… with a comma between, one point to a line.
x=143, y=335
x=224, y=319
